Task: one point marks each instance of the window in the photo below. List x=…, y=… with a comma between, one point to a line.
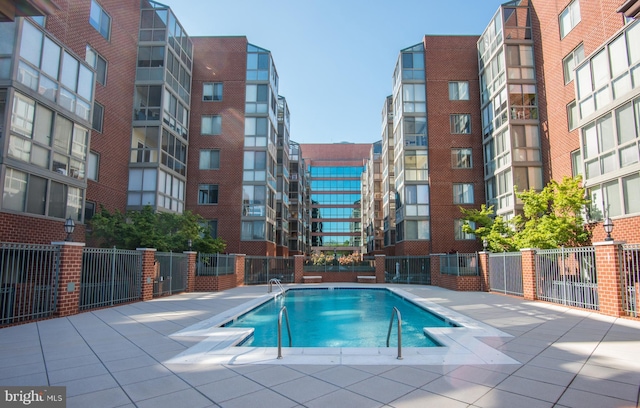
x=212, y=91
x=417, y=201
x=209, y=159
x=463, y=193
x=415, y=131
x=569, y=18
x=254, y=200
x=211, y=226
x=252, y=230
x=257, y=99
x=100, y=64
x=93, y=166
x=211, y=125
x=414, y=98
x=99, y=19
x=98, y=117
x=459, y=234
x=461, y=158
x=570, y=62
x=459, y=91
x=416, y=165
x=576, y=163
x=572, y=115
x=208, y=194
x=460, y=123
x=255, y=166
x=89, y=210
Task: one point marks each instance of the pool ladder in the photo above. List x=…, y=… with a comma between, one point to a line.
x=284, y=312
x=396, y=312
x=277, y=282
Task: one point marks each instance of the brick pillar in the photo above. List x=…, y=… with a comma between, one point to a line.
x=298, y=268
x=380, y=261
x=608, y=256
x=69, y=278
x=483, y=260
x=148, y=272
x=239, y=269
x=192, y=257
x=434, y=260
x=529, y=286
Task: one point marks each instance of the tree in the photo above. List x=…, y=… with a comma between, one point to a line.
x=550, y=218
x=150, y=229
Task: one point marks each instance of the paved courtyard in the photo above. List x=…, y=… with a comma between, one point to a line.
x=126, y=357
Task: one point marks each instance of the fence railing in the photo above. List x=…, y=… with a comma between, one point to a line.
x=567, y=276
x=407, y=269
x=171, y=273
x=109, y=276
x=630, y=279
x=366, y=265
x=505, y=273
x=459, y=264
x=260, y=269
x=215, y=265
x=28, y=281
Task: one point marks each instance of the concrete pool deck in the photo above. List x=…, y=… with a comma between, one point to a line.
x=126, y=356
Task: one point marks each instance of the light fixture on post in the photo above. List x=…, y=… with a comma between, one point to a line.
x=69, y=226
x=485, y=244
x=189, y=242
x=608, y=228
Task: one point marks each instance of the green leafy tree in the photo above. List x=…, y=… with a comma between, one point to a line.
x=150, y=229
x=550, y=218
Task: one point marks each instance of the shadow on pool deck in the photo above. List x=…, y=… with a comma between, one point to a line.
x=122, y=357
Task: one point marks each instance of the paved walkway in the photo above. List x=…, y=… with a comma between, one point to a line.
x=120, y=357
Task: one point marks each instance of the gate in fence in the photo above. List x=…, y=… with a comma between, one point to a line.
x=505, y=273
x=630, y=278
x=260, y=269
x=171, y=273
x=109, y=276
x=567, y=276
x=28, y=281
x=407, y=269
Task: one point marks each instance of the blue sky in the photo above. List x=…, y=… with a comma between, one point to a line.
x=334, y=58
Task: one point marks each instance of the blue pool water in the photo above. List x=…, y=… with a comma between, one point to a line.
x=339, y=318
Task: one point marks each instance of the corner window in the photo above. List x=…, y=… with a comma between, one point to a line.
x=572, y=115
x=461, y=158
x=99, y=63
x=211, y=125
x=459, y=91
x=570, y=62
x=212, y=91
x=569, y=18
x=93, y=161
x=100, y=20
x=208, y=194
x=576, y=163
x=98, y=117
x=460, y=124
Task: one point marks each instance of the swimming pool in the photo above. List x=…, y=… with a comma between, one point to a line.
x=341, y=317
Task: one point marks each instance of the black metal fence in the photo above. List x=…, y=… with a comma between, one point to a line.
x=260, y=269
x=630, y=278
x=505, y=273
x=215, y=265
x=171, y=273
x=366, y=265
x=109, y=276
x=459, y=264
x=28, y=281
x=407, y=269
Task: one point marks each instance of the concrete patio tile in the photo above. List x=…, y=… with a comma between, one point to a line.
x=129, y=363
x=608, y=373
x=136, y=375
x=608, y=388
x=532, y=388
x=457, y=389
x=185, y=398
x=380, y=389
x=274, y=375
x=304, y=389
x=557, y=377
x=90, y=385
x=21, y=370
x=342, y=398
x=584, y=399
x=112, y=397
x=71, y=362
x=228, y=388
x=342, y=376
x=200, y=374
x=555, y=364
x=68, y=374
x=155, y=387
x=261, y=398
x=39, y=378
x=421, y=399
x=478, y=375
x=501, y=399
x=410, y=376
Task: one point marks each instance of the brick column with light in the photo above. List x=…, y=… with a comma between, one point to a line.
x=68, y=302
x=529, y=286
x=483, y=270
x=608, y=254
x=192, y=257
x=434, y=264
x=380, y=266
x=239, y=268
x=148, y=272
x=298, y=268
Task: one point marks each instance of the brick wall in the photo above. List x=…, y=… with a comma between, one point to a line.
x=412, y=248
x=35, y=230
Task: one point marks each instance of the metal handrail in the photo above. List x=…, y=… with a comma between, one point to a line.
x=277, y=282
x=394, y=313
x=283, y=310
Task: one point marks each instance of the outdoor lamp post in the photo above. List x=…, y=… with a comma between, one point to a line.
x=69, y=226
x=485, y=244
x=189, y=242
x=608, y=228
